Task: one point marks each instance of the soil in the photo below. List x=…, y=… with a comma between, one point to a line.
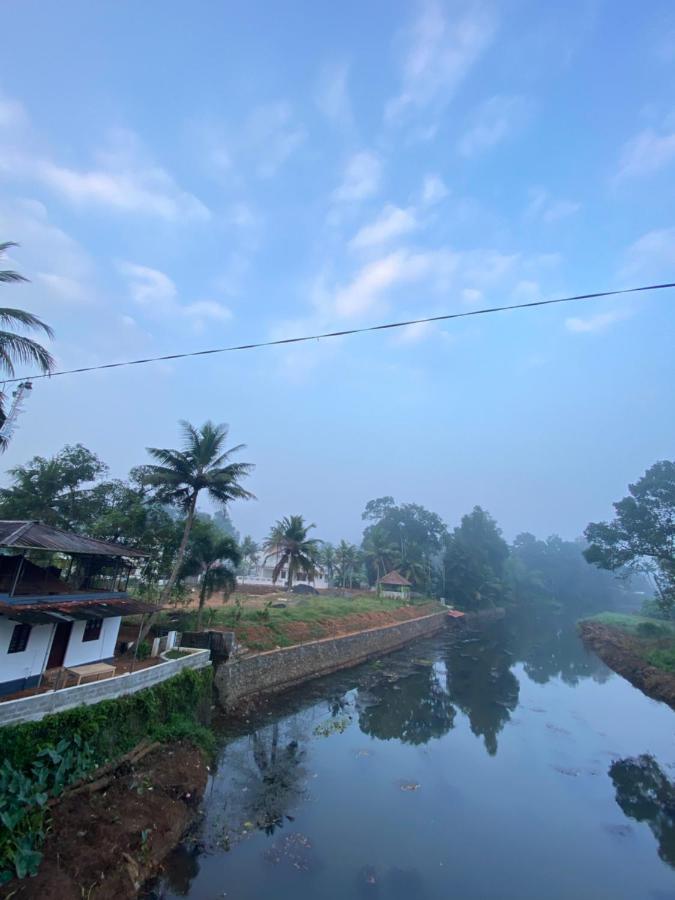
x=625, y=654
x=104, y=845
x=259, y=636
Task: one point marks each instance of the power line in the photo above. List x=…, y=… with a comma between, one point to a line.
x=331, y=334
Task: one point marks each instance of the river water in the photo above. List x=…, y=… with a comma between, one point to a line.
x=505, y=763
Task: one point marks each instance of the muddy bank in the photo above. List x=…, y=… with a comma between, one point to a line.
x=105, y=843
x=625, y=654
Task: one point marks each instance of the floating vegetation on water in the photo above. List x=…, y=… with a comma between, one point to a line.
x=293, y=849
x=409, y=785
x=556, y=729
x=363, y=753
x=332, y=726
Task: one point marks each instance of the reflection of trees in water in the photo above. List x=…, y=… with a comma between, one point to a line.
x=413, y=709
x=548, y=646
x=646, y=794
x=270, y=778
x=482, y=685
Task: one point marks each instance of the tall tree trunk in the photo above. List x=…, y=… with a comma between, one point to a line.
x=202, y=598
x=289, y=580
x=168, y=587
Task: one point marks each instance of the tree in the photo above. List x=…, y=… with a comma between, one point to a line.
x=214, y=556
x=641, y=537
x=380, y=555
x=17, y=348
x=347, y=562
x=182, y=475
x=249, y=550
x=292, y=549
x=474, y=560
x=56, y=491
x=327, y=559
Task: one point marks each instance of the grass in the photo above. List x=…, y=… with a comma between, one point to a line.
x=640, y=626
x=662, y=658
x=308, y=610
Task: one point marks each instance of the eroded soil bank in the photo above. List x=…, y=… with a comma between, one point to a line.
x=625, y=654
x=105, y=843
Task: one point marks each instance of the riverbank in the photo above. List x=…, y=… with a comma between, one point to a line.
x=639, y=649
x=110, y=835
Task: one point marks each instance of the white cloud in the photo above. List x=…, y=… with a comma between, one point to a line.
x=377, y=277
x=496, y=119
x=62, y=286
x=433, y=190
x=646, y=153
x=207, y=309
x=392, y=222
x=12, y=113
x=440, y=51
x=361, y=179
x=595, y=323
x=157, y=294
x=651, y=256
x=332, y=94
x=544, y=208
x=471, y=296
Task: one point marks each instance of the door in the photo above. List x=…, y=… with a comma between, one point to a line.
x=59, y=645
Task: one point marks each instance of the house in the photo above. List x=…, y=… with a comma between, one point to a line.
x=261, y=570
x=62, y=598
x=393, y=584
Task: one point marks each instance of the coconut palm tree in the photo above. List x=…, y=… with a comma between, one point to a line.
x=214, y=556
x=347, y=561
x=17, y=348
x=202, y=465
x=292, y=549
x=249, y=550
x=380, y=554
x=327, y=559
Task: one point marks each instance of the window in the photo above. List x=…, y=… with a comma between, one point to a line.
x=92, y=630
x=19, y=639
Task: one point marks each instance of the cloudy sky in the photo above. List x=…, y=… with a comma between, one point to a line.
x=184, y=176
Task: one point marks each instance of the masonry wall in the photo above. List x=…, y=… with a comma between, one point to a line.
x=243, y=677
x=21, y=670
x=31, y=709
x=80, y=652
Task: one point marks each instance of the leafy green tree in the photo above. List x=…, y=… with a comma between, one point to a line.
x=57, y=491
x=380, y=555
x=473, y=562
x=293, y=550
x=641, y=537
x=17, y=348
x=202, y=465
x=249, y=550
x=417, y=533
x=214, y=556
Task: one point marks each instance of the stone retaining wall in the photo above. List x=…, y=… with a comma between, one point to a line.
x=31, y=709
x=241, y=678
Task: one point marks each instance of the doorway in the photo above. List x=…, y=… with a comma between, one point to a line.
x=59, y=645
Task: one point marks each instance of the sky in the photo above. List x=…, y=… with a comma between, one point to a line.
x=187, y=176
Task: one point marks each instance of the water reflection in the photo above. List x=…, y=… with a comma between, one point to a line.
x=645, y=793
x=412, y=709
x=482, y=685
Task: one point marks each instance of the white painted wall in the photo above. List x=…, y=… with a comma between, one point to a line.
x=79, y=652
x=32, y=659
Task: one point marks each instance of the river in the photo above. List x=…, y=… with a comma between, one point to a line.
x=505, y=763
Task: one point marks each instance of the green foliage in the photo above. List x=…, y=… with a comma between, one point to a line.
x=113, y=727
x=662, y=658
x=214, y=556
x=143, y=650
x=635, y=624
x=474, y=562
x=292, y=549
x=641, y=537
x=24, y=800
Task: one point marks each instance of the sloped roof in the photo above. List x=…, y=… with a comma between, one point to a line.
x=395, y=578
x=36, y=536
x=51, y=608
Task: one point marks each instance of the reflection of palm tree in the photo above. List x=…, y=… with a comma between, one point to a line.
x=646, y=794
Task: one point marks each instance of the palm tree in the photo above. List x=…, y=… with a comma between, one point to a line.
x=214, y=556
x=17, y=348
x=249, y=552
x=202, y=465
x=289, y=544
x=379, y=553
x=347, y=559
x=327, y=559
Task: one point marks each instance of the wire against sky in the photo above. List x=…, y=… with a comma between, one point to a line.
x=345, y=332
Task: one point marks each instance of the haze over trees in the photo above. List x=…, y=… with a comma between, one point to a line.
x=292, y=549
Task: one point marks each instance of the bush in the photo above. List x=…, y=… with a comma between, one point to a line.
x=113, y=727
x=651, y=629
x=143, y=651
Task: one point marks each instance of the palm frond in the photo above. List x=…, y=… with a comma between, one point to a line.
x=10, y=316
x=24, y=350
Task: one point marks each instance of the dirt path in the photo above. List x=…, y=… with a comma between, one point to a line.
x=104, y=845
x=624, y=653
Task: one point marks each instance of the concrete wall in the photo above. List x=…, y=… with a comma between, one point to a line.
x=80, y=652
x=21, y=670
x=31, y=709
x=241, y=678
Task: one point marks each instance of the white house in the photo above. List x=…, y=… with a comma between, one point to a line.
x=62, y=598
x=260, y=573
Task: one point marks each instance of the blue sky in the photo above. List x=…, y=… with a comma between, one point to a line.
x=183, y=176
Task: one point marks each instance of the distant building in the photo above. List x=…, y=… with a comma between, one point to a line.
x=394, y=585
x=260, y=573
x=62, y=598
